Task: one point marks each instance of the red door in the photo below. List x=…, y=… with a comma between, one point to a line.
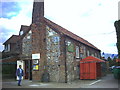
x=92, y=71
x=88, y=70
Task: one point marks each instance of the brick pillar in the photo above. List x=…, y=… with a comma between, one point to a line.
x=38, y=10
x=39, y=46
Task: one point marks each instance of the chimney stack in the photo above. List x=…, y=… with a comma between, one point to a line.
x=38, y=10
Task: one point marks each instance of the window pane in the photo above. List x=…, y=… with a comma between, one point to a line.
x=77, y=52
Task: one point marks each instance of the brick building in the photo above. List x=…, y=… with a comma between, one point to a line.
x=49, y=51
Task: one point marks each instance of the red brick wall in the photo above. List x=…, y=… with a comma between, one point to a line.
x=38, y=46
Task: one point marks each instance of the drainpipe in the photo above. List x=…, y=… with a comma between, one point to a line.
x=65, y=62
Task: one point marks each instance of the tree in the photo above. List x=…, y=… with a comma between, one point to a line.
x=112, y=62
x=117, y=26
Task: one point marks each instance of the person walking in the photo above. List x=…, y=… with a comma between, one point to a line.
x=19, y=73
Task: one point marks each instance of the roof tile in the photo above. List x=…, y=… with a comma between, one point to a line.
x=12, y=39
x=68, y=33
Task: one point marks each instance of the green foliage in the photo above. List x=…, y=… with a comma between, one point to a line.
x=112, y=62
x=117, y=26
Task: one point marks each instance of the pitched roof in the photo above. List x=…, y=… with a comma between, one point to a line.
x=9, y=59
x=24, y=28
x=68, y=33
x=91, y=59
x=12, y=39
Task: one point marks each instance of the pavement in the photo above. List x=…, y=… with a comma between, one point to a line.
x=107, y=81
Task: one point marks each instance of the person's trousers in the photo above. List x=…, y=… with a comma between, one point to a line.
x=19, y=80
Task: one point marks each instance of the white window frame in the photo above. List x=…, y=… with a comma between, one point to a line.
x=88, y=53
x=7, y=47
x=77, y=52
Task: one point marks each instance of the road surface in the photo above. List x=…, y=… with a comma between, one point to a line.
x=107, y=81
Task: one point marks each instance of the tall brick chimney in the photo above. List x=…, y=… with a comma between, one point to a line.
x=38, y=10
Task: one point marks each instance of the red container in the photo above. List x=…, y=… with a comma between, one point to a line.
x=90, y=68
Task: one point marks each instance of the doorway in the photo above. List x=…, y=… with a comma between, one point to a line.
x=28, y=69
x=30, y=78
x=20, y=62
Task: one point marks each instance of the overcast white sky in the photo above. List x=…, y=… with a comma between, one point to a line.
x=92, y=20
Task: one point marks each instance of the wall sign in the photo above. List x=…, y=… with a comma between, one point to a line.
x=70, y=48
x=36, y=56
x=56, y=39
x=35, y=61
x=35, y=67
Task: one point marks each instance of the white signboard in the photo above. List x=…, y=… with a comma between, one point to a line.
x=36, y=56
